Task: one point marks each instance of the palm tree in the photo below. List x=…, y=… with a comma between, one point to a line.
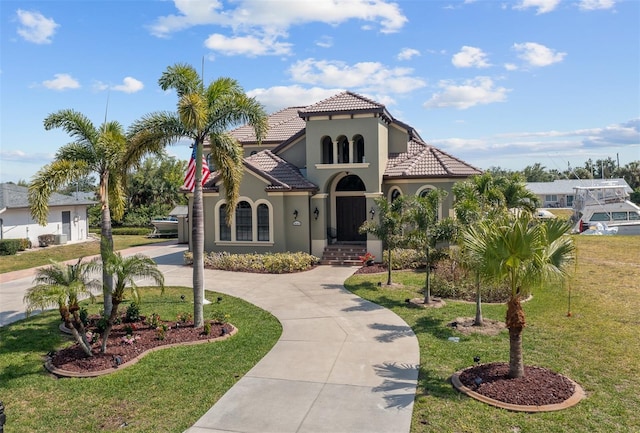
x=426, y=230
x=125, y=271
x=204, y=114
x=94, y=150
x=517, y=196
x=389, y=228
x=525, y=254
x=61, y=285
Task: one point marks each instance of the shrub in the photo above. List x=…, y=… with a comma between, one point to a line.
x=46, y=240
x=207, y=328
x=405, y=258
x=133, y=313
x=154, y=320
x=25, y=244
x=450, y=280
x=272, y=263
x=9, y=247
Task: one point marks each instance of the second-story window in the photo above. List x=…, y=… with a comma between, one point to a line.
x=327, y=150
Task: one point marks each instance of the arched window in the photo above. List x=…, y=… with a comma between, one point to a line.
x=359, y=145
x=243, y=222
x=263, y=222
x=425, y=192
x=343, y=150
x=395, y=193
x=327, y=150
x=225, y=230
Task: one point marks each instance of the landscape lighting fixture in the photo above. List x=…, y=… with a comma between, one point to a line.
x=316, y=213
x=295, y=214
x=372, y=212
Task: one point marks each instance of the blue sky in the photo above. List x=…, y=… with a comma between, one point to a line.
x=495, y=83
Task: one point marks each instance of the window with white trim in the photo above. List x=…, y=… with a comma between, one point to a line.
x=263, y=223
x=244, y=226
x=225, y=230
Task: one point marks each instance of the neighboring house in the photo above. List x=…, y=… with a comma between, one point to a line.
x=313, y=179
x=560, y=193
x=67, y=216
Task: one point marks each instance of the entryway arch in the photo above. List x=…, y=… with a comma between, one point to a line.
x=349, y=207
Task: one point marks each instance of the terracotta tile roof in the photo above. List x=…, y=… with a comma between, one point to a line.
x=423, y=160
x=282, y=125
x=282, y=175
x=348, y=102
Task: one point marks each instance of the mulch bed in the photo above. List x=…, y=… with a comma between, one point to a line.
x=373, y=269
x=73, y=359
x=538, y=387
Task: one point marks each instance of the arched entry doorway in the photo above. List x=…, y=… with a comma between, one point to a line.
x=351, y=210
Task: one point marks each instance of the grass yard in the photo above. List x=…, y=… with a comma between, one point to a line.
x=60, y=253
x=167, y=391
x=598, y=346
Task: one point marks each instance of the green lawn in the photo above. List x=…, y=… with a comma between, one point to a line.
x=41, y=256
x=167, y=391
x=598, y=346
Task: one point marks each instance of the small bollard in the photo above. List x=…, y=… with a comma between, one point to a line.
x=3, y=417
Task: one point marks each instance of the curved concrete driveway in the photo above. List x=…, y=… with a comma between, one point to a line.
x=342, y=364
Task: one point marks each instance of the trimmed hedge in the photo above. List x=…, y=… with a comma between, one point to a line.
x=9, y=247
x=270, y=263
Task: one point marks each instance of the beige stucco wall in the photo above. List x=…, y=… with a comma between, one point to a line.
x=414, y=186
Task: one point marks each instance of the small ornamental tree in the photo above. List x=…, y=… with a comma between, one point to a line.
x=61, y=285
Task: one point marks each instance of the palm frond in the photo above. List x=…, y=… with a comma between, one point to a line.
x=181, y=77
x=74, y=123
x=227, y=157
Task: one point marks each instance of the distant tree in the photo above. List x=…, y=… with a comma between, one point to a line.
x=499, y=171
x=22, y=182
x=631, y=174
x=83, y=184
x=537, y=173
x=516, y=195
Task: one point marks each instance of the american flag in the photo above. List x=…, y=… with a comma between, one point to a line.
x=190, y=176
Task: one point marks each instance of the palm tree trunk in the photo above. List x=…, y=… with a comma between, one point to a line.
x=197, y=232
x=389, y=269
x=427, y=283
x=478, y=320
x=515, y=322
x=106, y=243
x=66, y=318
x=110, y=322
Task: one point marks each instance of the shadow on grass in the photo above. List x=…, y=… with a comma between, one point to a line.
x=433, y=326
x=430, y=384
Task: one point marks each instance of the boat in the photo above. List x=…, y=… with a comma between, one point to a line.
x=608, y=205
x=167, y=226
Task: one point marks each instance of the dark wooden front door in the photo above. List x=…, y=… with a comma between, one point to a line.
x=351, y=212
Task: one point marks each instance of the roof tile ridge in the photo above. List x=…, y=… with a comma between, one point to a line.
x=417, y=157
x=453, y=157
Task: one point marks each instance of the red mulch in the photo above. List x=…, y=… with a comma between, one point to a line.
x=74, y=359
x=538, y=387
x=373, y=269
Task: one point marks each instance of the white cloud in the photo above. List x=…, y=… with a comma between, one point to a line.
x=510, y=67
x=469, y=57
x=538, y=55
x=325, y=42
x=61, y=82
x=260, y=14
x=35, y=27
x=129, y=85
x=366, y=76
x=407, y=53
x=477, y=91
x=591, y=5
x=279, y=97
x=543, y=6
x=246, y=45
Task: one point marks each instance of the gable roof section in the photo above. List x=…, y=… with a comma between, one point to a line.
x=282, y=126
x=344, y=103
x=423, y=160
x=282, y=175
x=16, y=197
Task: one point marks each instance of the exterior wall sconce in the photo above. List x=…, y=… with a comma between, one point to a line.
x=295, y=214
x=372, y=212
x=316, y=213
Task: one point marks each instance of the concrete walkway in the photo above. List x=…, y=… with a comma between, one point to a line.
x=342, y=364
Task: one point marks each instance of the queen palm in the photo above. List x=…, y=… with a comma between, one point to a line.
x=526, y=255
x=125, y=271
x=94, y=150
x=203, y=114
x=61, y=285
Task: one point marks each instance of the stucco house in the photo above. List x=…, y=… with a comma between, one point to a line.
x=312, y=181
x=67, y=216
x=560, y=193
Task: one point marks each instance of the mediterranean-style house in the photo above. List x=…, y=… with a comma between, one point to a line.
x=67, y=218
x=313, y=179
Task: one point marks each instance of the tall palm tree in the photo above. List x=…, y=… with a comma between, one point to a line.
x=125, y=271
x=94, y=150
x=525, y=254
x=203, y=114
x=60, y=286
x=388, y=228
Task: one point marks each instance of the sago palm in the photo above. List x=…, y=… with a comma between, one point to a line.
x=125, y=271
x=61, y=286
x=204, y=114
x=94, y=150
x=525, y=254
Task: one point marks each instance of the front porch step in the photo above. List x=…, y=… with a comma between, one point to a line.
x=343, y=254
